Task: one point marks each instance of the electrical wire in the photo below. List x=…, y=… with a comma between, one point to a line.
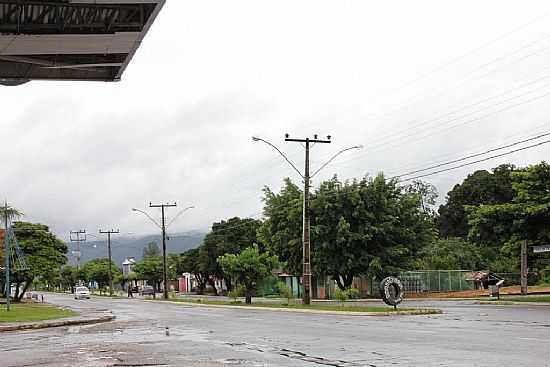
x=474, y=162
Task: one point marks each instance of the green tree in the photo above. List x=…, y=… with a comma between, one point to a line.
x=450, y=254
x=226, y=237
x=479, y=188
x=369, y=226
x=10, y=213
x=151, y=250
x=97, y=270
x=69, y=276
x=248, y=268
x=281, y=232
x=150, y=269
x=44, y=254
x=189, y=263
x=502, y=227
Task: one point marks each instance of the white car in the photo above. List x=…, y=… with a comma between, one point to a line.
x=81, y=292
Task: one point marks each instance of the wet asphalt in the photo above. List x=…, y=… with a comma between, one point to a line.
x=466, y=334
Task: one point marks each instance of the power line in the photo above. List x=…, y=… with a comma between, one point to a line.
x=473, y=155
x=474, y=162
x=467, y=122
x=477, y=49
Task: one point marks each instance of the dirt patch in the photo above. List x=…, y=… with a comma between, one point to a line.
x=513, y=290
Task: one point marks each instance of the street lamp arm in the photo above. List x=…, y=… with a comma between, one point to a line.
x=179, y=214
x=334, y=157
x=148, y=216
x=281, y=153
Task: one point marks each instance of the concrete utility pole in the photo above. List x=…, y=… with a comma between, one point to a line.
x=109, y=233
x=7, y=256
x=78, y=240
x=306, y=271
x=306, y=297
x=163, y=227
x=524, y=267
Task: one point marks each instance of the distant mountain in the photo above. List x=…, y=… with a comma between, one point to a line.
x=123, y=247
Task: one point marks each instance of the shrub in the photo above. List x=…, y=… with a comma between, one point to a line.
x=284, y=291
x=344, y=295
x=236, y=292
x=341, y=295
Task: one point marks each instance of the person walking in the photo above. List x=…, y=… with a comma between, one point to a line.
x=130, y=293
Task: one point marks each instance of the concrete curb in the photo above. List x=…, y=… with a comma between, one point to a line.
x=56, y=323
x=325, y=312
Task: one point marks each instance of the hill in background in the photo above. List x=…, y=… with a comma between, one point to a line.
x=123, y=247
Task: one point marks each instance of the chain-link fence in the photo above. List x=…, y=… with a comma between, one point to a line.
x=435, y=281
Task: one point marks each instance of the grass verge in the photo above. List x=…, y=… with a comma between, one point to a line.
x=24, y=312
x=532, y=298
x=317, y=307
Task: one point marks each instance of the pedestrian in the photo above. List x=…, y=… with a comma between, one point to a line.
x=42, y=298
x=130, y=293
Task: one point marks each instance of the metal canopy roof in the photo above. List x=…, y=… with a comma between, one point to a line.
x=71, y=39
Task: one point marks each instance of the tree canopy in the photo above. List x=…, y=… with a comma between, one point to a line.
x=479, y=188
x=97, y=270
x=502, y=227
x=226, y=237
x=44, y=254
x=369, y=226
x=151, y=249
x=248, y=268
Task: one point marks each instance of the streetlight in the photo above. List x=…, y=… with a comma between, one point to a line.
x=306, y=272
x=163, y=229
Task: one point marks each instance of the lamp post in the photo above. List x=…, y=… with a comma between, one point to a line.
x=306, y=243
x=163, y=226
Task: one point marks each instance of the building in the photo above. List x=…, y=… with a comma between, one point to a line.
x=128, y=266
x=90, y=40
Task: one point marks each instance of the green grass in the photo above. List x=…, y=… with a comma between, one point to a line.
x=298, y=306
x=528, y=298
x=24, y=312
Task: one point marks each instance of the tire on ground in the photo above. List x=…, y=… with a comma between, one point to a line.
x=391, y=290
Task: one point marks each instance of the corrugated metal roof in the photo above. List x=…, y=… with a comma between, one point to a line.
x=71, y=39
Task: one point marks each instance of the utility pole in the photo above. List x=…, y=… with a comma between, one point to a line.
x=306, y=272
x=78, y=240
x=306, y=297
x=109, y=233
x=163, y=227
x=524, y=267
x=7, y=256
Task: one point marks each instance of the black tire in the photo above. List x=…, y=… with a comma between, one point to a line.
x=388, y=285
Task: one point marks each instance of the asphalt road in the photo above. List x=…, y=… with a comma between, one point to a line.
x=465, y=335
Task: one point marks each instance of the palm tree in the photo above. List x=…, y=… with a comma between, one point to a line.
x=9, y=213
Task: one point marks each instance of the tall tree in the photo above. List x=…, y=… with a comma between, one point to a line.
x=249, y=268
x=190, y=264
x=368, y=226
x=44, y=254
x=502, y=227
x=479, y=188
x=281, y=232
x=97, y=270
x=450, y=254
x=9, y=212
x=371, y=226
x=226, y=237
x=151, y=270
x=151, y=250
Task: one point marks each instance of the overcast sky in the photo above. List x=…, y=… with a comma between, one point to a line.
x=415, y=82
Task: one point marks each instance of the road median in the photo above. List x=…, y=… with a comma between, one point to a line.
x=347, y=311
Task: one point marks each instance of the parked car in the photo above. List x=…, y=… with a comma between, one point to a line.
x=147, y=291
x=81, y=292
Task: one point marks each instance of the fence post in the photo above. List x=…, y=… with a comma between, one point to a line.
x=439, y=280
